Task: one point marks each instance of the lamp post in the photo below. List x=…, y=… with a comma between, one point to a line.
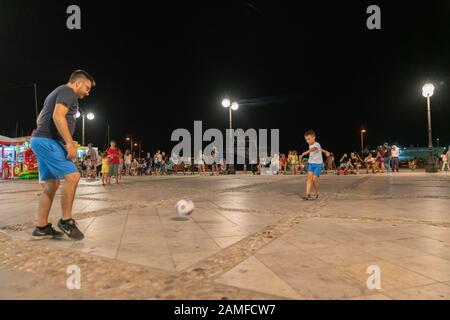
x=136, y=145
x=427, y=92
x=363, y=131
x=83, y=115
x=131, y=144
x=232, y=106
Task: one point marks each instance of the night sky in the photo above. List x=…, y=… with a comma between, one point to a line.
x=160, y=65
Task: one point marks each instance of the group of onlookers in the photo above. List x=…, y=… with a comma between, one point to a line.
x=385, y=159
x=113, y=164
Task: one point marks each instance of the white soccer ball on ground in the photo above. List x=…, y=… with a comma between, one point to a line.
x=184, y=207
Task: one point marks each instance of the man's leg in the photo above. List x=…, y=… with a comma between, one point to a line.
x=46, y=200
x=68, y=194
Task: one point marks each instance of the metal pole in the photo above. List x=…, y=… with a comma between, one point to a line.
x=82, y=130
x=131, y=147
x=430, y=167
x=362, y=144
x=231, y=152
x=35, y=100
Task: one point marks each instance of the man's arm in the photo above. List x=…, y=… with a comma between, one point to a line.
x=59, y=117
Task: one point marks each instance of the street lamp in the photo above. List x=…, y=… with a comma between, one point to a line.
x=131, y=144
x=427, y=92
x=362, y=141
x=232, y=106
x=83, y=115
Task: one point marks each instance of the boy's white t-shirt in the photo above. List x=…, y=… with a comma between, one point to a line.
x=315, y=157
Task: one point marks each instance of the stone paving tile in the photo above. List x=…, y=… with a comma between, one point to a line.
x=253, y=275
x=387, y=250
x=430, y=246
x=324, y=283
x=436, y=291
x=340, y=255
x=433, y=267
x=392, y=276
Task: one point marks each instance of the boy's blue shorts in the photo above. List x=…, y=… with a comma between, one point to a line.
x=52, y=158
x=315, y=168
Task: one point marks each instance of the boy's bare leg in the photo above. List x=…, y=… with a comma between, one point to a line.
x=315, y=181
x=46, y=200
x=68, y=194
x=309, y=181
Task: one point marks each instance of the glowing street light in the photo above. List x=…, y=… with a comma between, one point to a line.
x=83, y=115
x=232, y=106
x=363, y=131
x=226, y=103
x=427, y=92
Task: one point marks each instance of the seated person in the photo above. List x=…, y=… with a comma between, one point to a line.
x=370, y=163
x=169, y=165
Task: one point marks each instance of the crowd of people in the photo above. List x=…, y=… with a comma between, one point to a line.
x=112, y=163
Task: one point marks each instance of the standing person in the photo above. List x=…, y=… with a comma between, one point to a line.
x=120, y=169
x=283, y=163
x=158, y=161
x=127, y=161
x=201, y=163
x=315, y=164
x=294, y=162
x=105, y=169
x=444, y=157
x=214, y=165
x=114, y=160
x=55, y=126
x=395, y=154
x=387, y=157
x=95, y=159
x=380, y=159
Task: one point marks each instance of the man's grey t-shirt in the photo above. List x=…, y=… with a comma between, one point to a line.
x=46, y=126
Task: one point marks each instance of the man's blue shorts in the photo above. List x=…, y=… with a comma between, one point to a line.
x=315, y=168
x=52, y=158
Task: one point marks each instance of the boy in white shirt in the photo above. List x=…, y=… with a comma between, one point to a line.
x=315, y=165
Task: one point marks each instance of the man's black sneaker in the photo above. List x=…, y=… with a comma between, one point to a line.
x=69, y=227
x=47, y=232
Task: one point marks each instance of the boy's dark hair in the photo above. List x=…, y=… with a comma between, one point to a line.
x=310, y=133
x=81, y=74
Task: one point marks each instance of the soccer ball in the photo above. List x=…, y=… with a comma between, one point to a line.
x=184, y=207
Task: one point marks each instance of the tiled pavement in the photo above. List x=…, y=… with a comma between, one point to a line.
x=249, y=237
